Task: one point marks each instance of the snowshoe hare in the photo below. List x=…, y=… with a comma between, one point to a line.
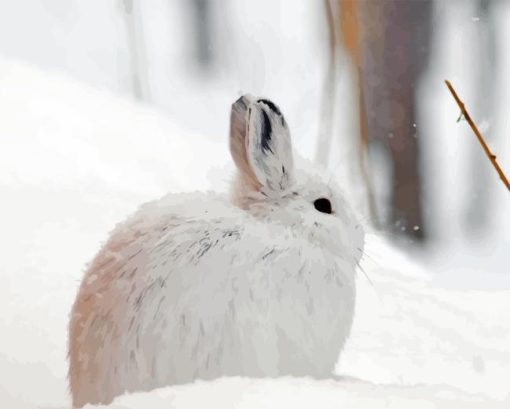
x=200, y=285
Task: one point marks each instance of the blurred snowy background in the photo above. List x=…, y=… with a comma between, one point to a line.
x=106, y=104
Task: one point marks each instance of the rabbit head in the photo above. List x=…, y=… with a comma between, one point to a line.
x=271, y=187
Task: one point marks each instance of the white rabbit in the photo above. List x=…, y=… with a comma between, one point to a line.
x=199, y=285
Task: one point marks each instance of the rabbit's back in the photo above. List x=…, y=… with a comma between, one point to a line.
x=187, y=289
x=114, y=312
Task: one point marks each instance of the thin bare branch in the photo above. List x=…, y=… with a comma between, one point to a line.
x=479, y=136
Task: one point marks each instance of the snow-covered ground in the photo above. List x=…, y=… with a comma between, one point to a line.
x=75, y=160
x=243, y=393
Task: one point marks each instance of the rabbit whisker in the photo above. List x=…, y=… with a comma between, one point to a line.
x=370, y=281
x=365, y=274
x=364, y=253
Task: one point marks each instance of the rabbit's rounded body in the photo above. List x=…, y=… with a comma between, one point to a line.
x=178, y=293
x=192, y=286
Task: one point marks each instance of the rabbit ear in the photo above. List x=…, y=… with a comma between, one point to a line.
x=260, y=145
x=269, y=148
x=238, y=140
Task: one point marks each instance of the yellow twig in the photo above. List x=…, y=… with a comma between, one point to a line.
x=479, y=136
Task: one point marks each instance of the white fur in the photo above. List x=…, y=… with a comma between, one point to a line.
x=192, y=286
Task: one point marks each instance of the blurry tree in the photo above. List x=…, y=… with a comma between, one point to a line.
x=136, y=47
x=329, y=88
x=201, y=12
x=389, y=45
x=478, y=207
x=343, y=30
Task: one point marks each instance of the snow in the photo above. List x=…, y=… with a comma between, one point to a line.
x=427, y=334
x=243, y=393
x=75, y=160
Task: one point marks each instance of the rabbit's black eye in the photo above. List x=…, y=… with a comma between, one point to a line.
x=323, y=205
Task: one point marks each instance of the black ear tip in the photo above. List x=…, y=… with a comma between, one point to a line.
x=271, y=105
